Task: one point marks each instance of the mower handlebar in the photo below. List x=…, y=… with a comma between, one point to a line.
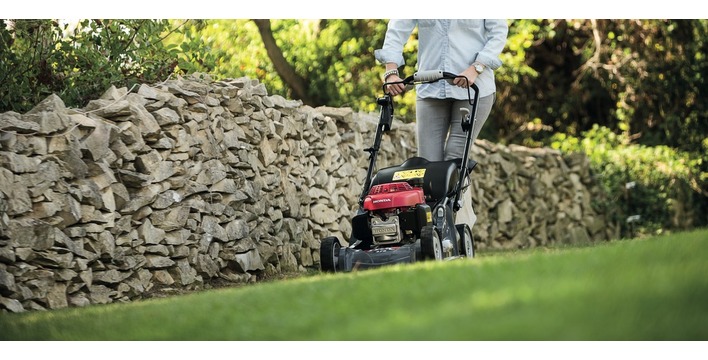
x=432, y=75
x=429, y=76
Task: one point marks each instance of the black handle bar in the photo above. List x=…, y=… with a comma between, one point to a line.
x=429, y=76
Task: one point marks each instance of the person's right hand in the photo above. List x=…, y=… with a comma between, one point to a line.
x=394, y=89
x=470, y=74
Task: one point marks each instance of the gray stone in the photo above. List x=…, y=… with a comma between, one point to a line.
x=157, y=250
x=163, y=277
x=99, y=294
x=106, y=244
x=184, y=272
x=505, y=211
x=158, y=262
x=71, y=209
x=7, y=282
x=237, y=229
x=148, y=162
x=12, y=122
x=56, y=296
x=250, y=261
x=178, y=237
x=213, y=172
x=211, y=226
x=120, y=195
x=579, y=235
x=19, y=163
x=7, y=255
x=41, y=210
x=109, y=108
x=149, y=128
x=95, y=136
x=225, y=185
x=79, y=300
x=323, y=214
x=144, y=196
x=73, y=164
x=207, y=266
x=167, y=116
x=171, y=219
x=19, y=201
x=166, y=199
x=112, y=276
x=131, y=262
x=54, y=260
x=50, y=114
x=35, y=235
x=12, y=305
x=150, y=234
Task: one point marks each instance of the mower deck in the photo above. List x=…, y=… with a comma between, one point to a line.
x=352, y=259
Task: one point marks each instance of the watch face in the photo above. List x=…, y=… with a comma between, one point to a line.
x=479, y=68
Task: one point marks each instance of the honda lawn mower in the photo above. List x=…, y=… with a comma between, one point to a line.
x=407, y=212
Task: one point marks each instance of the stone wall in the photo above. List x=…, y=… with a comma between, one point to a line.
x=190, y=181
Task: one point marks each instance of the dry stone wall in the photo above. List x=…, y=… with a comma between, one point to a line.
x=191, y=180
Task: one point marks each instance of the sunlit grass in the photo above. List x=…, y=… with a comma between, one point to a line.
x=653, y=289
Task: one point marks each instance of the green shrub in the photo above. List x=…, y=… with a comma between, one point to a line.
x=78, y=62
x=668, y=192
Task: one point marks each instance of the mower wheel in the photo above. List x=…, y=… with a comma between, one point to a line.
x=466, y=239
x=329, y=253
x=430, y=246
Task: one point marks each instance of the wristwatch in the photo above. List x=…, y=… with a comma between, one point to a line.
x=478, y=67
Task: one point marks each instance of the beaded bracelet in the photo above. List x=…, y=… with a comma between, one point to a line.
x=389, y=73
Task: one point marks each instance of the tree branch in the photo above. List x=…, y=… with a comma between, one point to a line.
x=286, y=72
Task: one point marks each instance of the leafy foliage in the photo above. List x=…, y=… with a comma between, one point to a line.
x=665, y=195
x=334, y=56
x=645, y=78
x=79, y=61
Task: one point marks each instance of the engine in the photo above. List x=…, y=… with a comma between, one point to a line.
x=397, y=212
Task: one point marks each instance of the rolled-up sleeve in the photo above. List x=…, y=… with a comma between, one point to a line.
x=497, y=30
x=397, y=34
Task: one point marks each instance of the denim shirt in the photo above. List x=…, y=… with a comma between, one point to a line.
x=451, y=46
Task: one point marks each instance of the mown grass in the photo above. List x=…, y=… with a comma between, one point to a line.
x=650, y=289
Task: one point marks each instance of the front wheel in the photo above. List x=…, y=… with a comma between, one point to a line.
x=329, y=254
x=430, y=246
x=466, y=239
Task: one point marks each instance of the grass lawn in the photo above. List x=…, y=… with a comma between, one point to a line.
x=649, y=289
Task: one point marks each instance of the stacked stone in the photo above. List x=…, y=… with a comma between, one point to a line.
x=174, y=184
x=526, y=197
x=191, y=180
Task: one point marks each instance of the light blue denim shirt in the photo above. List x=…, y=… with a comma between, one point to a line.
x=451, y=46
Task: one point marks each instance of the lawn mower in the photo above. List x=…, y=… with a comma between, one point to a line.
x=407, y=212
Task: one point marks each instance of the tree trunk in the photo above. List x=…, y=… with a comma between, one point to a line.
x=286, y=72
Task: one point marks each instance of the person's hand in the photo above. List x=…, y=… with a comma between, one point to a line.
x=394, y=89
x=470, y=74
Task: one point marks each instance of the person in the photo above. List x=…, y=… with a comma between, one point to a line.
x=467, y=47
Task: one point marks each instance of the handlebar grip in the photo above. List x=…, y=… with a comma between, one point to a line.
x=428, y=75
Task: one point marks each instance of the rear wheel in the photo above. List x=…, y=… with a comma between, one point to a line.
x=467, y=248
x=329, y=253
x=430, y=245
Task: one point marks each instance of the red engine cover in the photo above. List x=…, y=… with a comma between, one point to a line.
x=393, y=195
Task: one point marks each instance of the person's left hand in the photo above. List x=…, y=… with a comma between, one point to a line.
x=470, y=73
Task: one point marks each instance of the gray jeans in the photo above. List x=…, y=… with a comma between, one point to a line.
x=440, y=137
x=439, y=126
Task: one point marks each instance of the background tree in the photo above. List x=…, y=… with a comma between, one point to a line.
x=642, y=77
